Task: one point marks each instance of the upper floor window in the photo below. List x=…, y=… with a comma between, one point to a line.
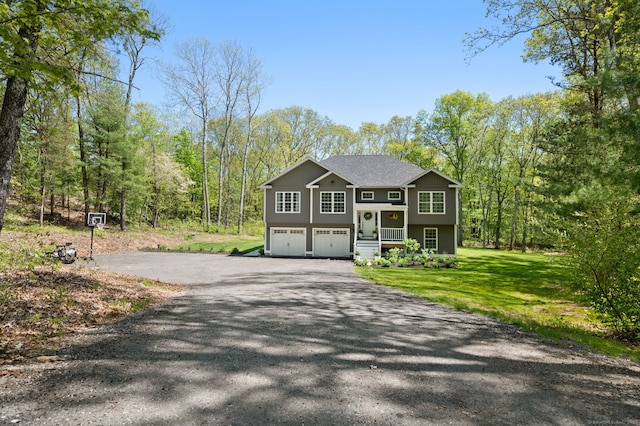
x=394, y=196
x=431, y=202
x=332, y=202
x=287, y=202
x=366, y=195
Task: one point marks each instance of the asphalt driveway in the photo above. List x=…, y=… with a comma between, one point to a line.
x=292, y=341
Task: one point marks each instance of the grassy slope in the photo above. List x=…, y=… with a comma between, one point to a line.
x=243, y=245
x=525, y=289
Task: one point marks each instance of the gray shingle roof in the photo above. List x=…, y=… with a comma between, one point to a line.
x=373, y=170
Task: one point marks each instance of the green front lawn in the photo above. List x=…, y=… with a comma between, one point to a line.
x=240, y=245
x=524, y=289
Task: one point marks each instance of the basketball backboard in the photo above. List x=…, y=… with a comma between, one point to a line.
x=96, y=219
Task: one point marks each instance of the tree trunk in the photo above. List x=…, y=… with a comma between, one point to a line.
x=123, y=199
x=156, y=189
x=83, y=159
x=243, y=185
x=525, y=218
x=206, y=210
x=460, y=233
x=220, y=184
x=15, y=97
x=43, y=195
x=514, y=219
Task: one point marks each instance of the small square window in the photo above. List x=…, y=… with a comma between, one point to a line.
x=394, y=196
x=366, y=195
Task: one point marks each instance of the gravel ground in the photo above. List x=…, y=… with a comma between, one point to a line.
x=285, y=341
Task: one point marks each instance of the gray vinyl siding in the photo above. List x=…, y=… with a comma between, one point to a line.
x=387, y=219
x=332, y=183
x=300, y=176
x=380, y=195
x=293, y=181
x=433, y=182
x=446, y=237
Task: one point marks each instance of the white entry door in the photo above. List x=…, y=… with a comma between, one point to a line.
x=368, y=223
x=331, y=243
x=288, y=241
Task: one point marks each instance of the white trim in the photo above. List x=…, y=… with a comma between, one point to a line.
x=310, y=204
x=424, y=239
x=444, y=202
x=333, y=202
x=373, y=195
x=330, y=172
x=394, y=192
x=275, y=207
x=268, y=183
x=454, y=183
x=264, y=219
x=381, y=206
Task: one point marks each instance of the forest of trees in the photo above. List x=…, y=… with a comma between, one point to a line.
x=553, y=170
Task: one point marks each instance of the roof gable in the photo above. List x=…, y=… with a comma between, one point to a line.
x=452, y=182
x=307, y=161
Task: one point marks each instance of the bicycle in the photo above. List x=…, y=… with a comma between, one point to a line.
x=64, y=253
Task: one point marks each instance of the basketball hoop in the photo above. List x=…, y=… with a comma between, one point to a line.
x=95, y=220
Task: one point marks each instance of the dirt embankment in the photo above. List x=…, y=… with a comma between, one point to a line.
x=44, y=307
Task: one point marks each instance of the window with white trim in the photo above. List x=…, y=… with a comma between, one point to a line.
x=430, y=239
x=333, y=202
x=287, y=202
x=394, y=196
x=431, y=202
x=366, y=195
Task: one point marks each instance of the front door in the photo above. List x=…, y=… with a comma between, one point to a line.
x=368, y=222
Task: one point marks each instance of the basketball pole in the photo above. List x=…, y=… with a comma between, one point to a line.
x=91, y=247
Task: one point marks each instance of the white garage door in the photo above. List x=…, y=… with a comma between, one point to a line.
x=331, y=243
x=288, y=241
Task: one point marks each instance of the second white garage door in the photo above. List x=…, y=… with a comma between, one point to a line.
x=331, y=243
x=288, y=241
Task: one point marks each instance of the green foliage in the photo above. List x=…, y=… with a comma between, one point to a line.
x=523, y=288
x=604, y=255
x=76, y=24
x=235, y=246
x=394, y=254
x=411, y=246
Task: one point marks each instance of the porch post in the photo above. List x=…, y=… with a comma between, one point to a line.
x=405, y=224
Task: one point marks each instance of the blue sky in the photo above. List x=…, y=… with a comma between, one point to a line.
x=353, y=61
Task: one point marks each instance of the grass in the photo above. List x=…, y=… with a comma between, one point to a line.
x=523, y=289
x=241, y=245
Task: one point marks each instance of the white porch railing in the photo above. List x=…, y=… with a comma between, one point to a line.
x=392, y=234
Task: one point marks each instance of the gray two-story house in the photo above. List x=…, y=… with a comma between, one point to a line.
x=363, y=204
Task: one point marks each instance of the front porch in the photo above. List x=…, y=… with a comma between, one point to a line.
x=378, y=226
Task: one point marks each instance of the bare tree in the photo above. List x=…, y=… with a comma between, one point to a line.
x=252, y=91
x=231, y=77
x=192, y=83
